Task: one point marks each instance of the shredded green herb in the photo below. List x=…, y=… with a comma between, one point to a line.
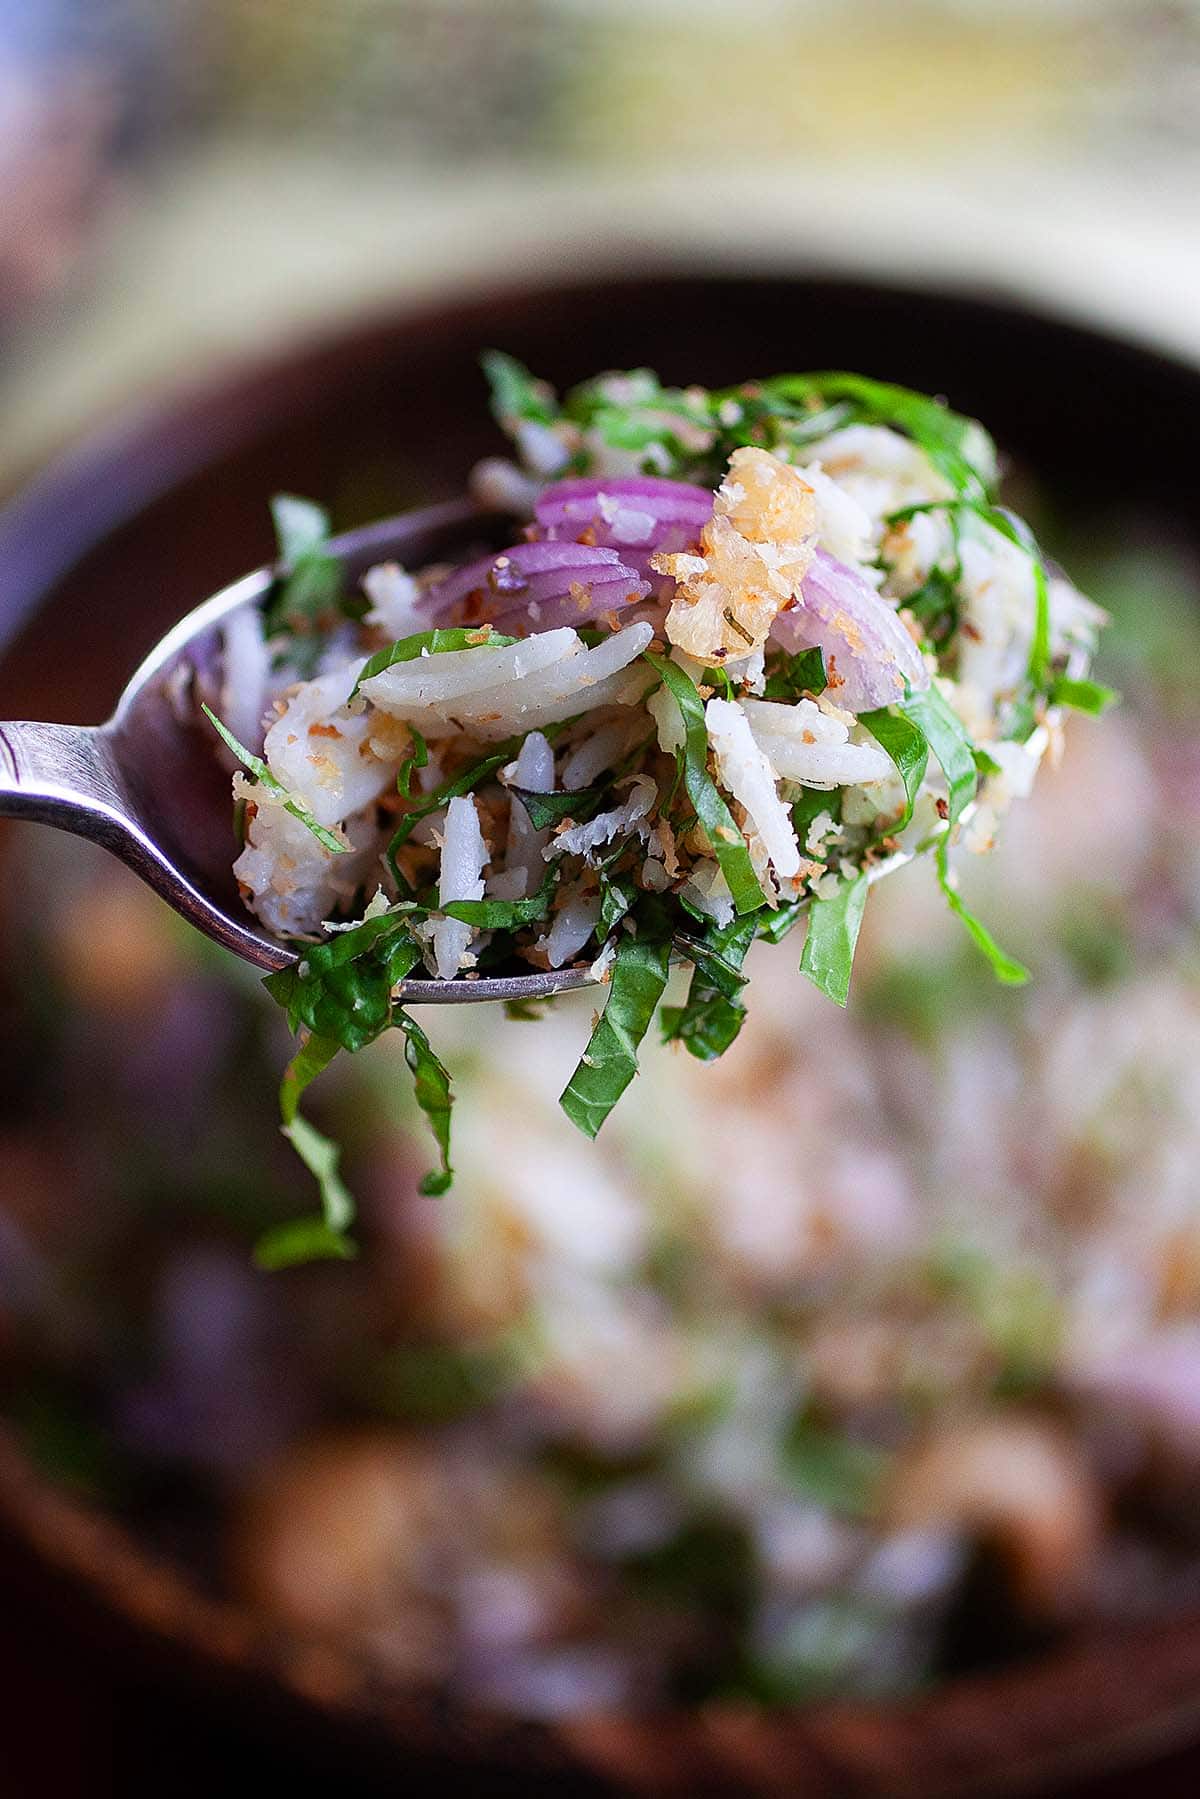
x=431, y=1085
x=504, y=915
x=947, y=736
x=516, y=394
x=342, y=989
x=907, y=745
x=713, y=1014
x=310, y=586
x=324, y=1237
x=797, y=676
x=327, y=839
x=344, y=992
x=466, y=781
x=609, y=1063
x=548, y=809
x=418, y=757
x=1084, y=696
x=832, y=936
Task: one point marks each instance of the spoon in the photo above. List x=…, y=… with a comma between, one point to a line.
x=148, y=786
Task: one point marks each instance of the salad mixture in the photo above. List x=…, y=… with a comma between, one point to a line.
x=750, y=649
x=865, y=1356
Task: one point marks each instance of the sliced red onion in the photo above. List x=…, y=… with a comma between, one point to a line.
x=583, y=603
x=634, y=512
x=869, y=656
x=535, y=586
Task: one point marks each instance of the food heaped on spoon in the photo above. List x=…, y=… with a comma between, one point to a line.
x=745, y=649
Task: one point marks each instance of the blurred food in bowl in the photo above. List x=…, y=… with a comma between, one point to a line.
x=868, y=1356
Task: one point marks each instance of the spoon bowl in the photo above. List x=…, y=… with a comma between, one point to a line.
x=149, y=786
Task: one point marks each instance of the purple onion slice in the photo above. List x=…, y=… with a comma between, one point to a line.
x=533, y=587
x=634, y=512
x=869, y=656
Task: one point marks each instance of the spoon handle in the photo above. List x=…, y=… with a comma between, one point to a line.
x=59, y=775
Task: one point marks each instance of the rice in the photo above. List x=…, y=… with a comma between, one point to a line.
x=574, y=923
x=321, y=752
x=581, y=840
x=464, y=856
x=533, y=771
x=619, y=728
x=393, y=595
x=748, y=775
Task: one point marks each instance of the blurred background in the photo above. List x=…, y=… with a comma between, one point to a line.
x=630, y=1425
x=190, y=178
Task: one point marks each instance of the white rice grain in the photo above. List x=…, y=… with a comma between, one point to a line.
x=321, y=752
x=708, y=890
x=440, y=681
x=464, y=856
x=746, y=774
x=595, y=754
x=573, y=924
x=581, y=840
x=533, y=770
x=393, y=595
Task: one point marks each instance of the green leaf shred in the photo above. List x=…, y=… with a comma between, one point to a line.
x=258, y=768
x=907, y=745
x=431, y=1085
x=315, y=1238
x=833, y=926
x=609, y=1063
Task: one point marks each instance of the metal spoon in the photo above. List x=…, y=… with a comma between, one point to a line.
x=148, y=786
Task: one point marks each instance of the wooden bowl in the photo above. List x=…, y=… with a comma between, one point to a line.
x=149, y=515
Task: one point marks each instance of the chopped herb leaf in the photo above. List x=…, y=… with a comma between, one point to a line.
x=1084, y=696
x=504, y=915
x=547, y=809
x=466, y=781
x=833, y=926
x=1004, y=967
x=418, y=757
x=775, y=925
x=719, y=954
x=311, y=581
x=431, y=1085
x=258, y=768
x=937, y=606
x=310, y=1239
x=712, y=1015
x=303, y=1240
x=342, y=989
x=617, y=897
x=516, y=394
x=947, y=737
x=609, y=1063
x=798, y=675
x=955, y=752
x=808, y=808
x=958, y=447
x=908, y=747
